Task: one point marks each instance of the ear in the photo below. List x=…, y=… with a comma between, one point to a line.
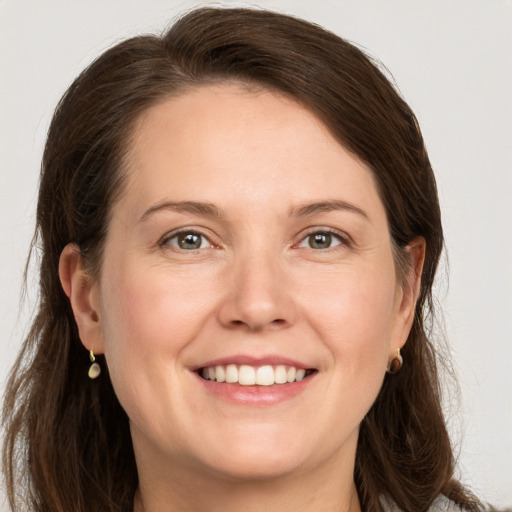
x=410, y=290
x=82, y=292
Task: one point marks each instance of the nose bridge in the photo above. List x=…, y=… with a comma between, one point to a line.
x=259, y=295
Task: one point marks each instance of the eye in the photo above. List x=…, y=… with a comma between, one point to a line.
x=321, y=240
x=188, y=241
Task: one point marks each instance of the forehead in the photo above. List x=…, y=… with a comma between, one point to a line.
x=251, y=141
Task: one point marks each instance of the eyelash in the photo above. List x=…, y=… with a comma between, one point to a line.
x=165, y=241
x=342, y=238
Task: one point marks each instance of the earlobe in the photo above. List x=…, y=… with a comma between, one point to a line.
x=82, y=292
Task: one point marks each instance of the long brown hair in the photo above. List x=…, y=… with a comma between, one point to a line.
x=67, y=444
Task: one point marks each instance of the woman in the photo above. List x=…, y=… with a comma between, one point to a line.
x=240, y=230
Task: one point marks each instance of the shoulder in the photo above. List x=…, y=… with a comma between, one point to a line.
x=443, y=504
x=440, y=504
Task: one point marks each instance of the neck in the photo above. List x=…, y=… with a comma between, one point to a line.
x=234, y=498
x=179, y=490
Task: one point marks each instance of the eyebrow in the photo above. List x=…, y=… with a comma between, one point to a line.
x=194, y=207
x=325, y=206
x=210, y=210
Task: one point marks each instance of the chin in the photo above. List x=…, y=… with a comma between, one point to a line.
x=261, y=467
x=262, y=455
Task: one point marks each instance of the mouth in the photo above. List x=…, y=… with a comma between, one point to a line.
x=247, y=375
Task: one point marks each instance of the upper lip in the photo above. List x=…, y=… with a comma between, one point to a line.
x=273, y=360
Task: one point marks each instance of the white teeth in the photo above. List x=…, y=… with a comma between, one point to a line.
x=280, y=376
x=247, y=375
x=265, y=376
x=231, y=373
x=220, y=374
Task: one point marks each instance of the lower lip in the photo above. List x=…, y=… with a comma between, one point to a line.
x=256, y=395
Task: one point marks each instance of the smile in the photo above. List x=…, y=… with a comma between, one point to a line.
x=246, y=375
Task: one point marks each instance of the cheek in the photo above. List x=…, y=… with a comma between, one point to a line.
x=140, y=315
x=148, y=320
x=353, y=313
x=351, y=297
x=144, y=306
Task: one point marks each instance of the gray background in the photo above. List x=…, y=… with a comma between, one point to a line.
x=452, y=60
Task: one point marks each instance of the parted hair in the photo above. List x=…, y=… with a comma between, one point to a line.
x=67, y=443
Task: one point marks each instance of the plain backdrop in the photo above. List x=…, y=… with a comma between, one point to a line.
x=452, y=60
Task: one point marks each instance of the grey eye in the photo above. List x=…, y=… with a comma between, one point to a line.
x=320, y=240
x=188, y=241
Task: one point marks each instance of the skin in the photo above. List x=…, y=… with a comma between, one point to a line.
x=256, y=287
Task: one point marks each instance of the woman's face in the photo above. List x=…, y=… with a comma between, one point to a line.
x=248, y=246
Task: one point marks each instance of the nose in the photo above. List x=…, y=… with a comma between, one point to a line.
x=259, y=295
